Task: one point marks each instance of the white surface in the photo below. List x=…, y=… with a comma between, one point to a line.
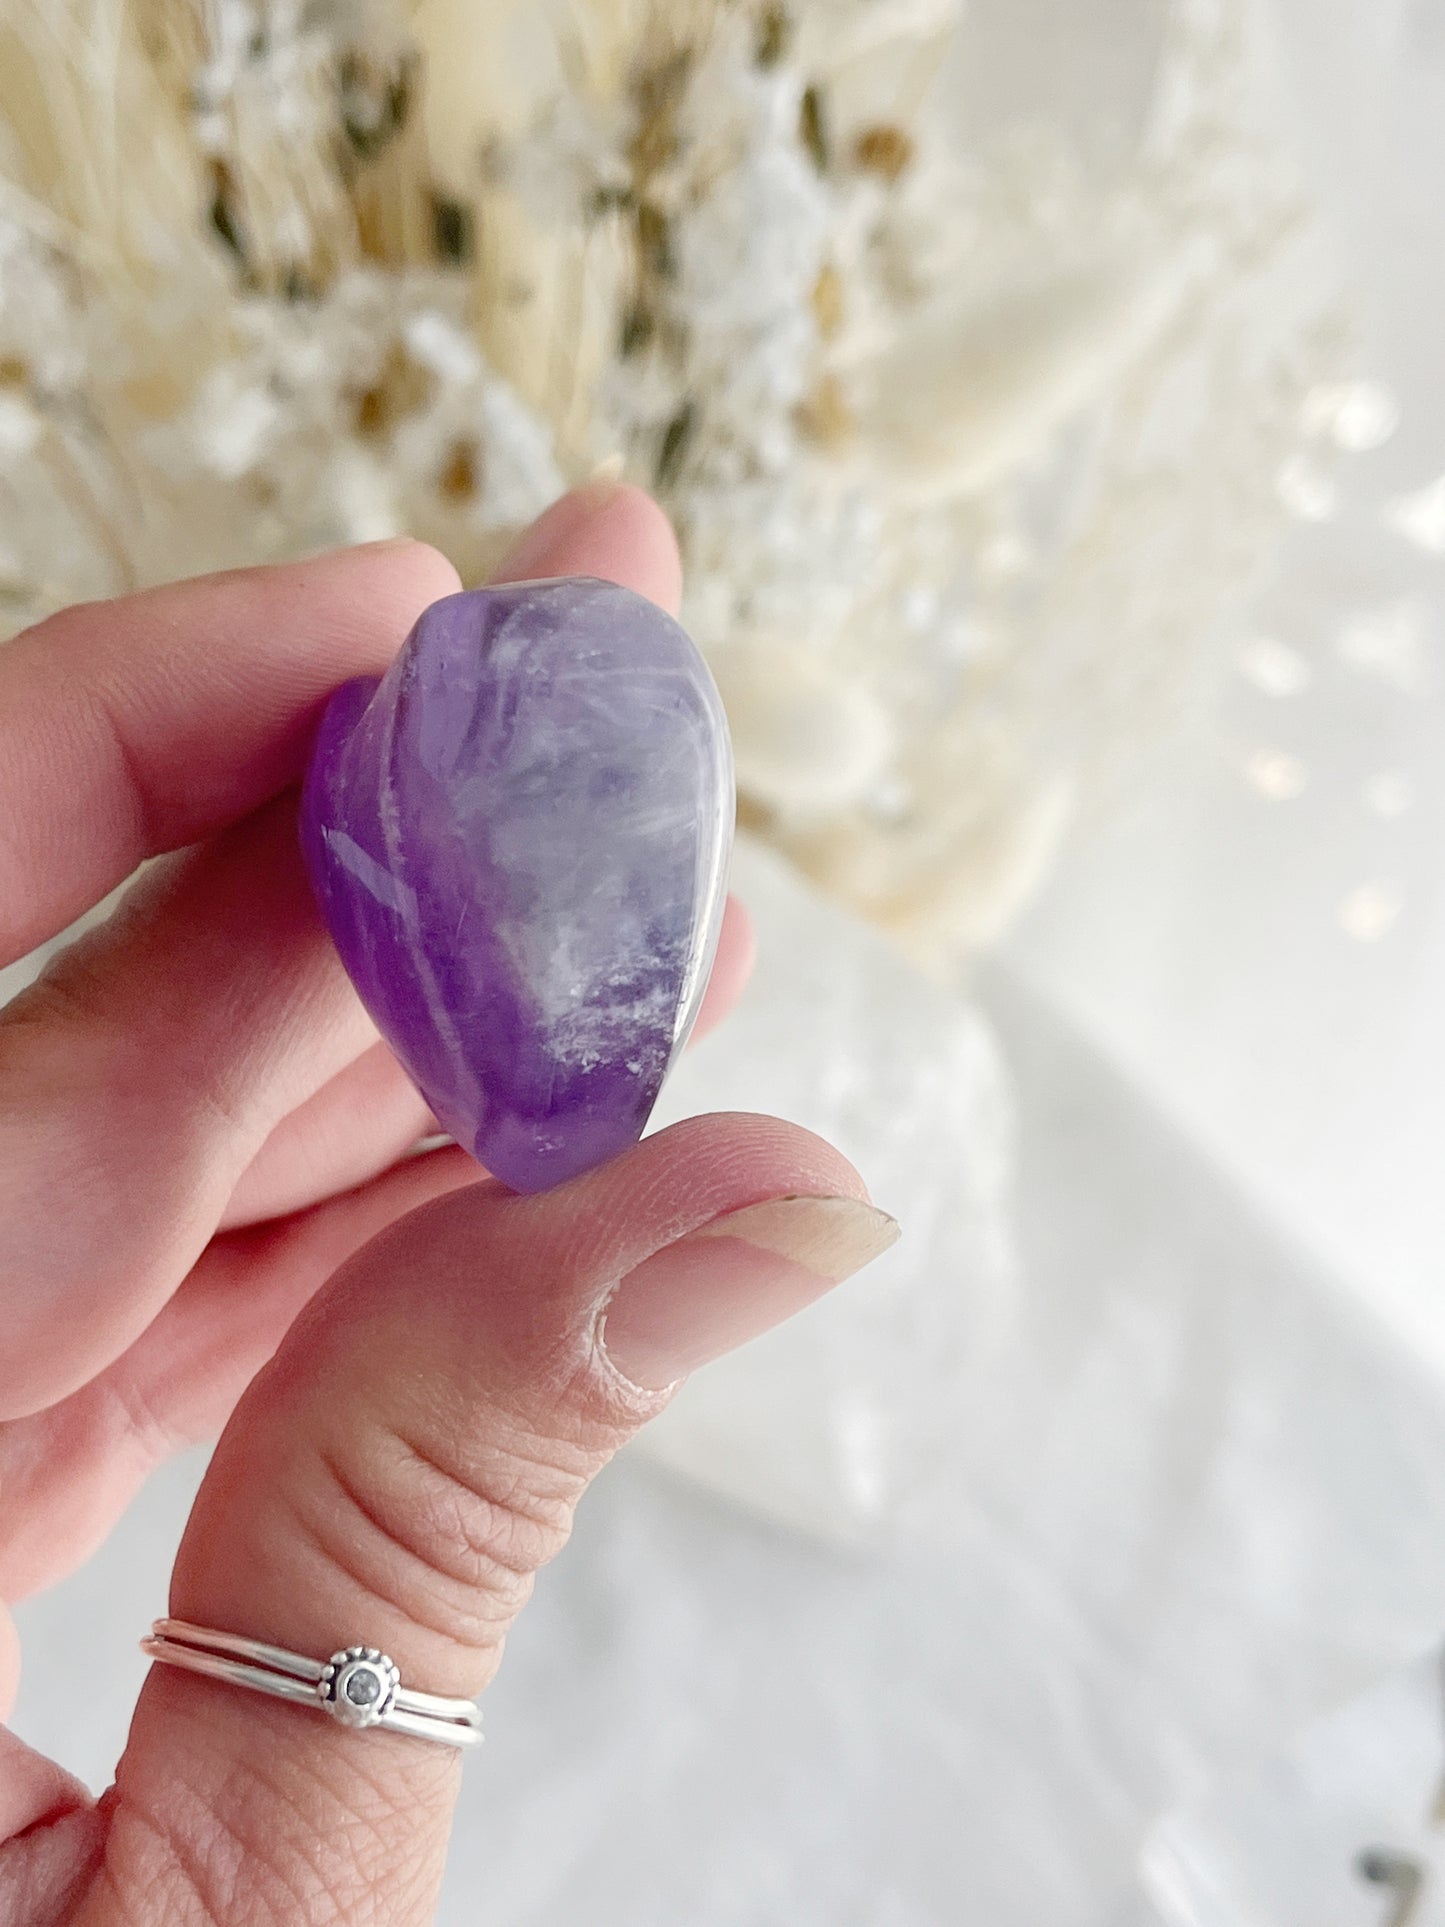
x=1271, y=970
x=1291, y=1841
x=1193, y=1504
x=839, y=1422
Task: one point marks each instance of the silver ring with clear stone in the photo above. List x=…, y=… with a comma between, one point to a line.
x=358, y=1687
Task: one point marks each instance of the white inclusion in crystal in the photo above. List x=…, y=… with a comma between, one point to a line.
x=386, y=888
x=1276, y=774
x=578, y=1032
x=1273, y=666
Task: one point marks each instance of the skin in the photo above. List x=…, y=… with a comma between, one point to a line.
x=204, y=1225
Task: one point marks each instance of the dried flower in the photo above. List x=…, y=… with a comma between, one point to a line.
x=287, y=274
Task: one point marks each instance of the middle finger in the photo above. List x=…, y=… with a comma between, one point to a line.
x=138, y=1078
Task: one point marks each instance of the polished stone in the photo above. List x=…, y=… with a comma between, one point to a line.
x=519, y=838
x=363, y=1687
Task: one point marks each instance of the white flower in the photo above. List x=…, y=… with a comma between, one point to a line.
x=780, y=287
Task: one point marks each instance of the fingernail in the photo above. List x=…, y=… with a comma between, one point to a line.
x=733, y=1279
x=554, y=529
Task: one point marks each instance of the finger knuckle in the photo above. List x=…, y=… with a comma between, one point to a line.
x=450, y=1540
x=498, y=1518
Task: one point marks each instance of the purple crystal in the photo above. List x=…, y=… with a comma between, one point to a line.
x=519, y=839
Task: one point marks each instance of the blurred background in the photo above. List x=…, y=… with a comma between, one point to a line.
x=1047, y=396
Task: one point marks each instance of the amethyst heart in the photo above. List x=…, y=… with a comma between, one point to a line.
x=519, y=838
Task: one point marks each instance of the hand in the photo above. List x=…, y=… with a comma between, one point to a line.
x=205, y=1204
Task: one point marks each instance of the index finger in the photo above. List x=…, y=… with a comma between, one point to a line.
x=132, y=727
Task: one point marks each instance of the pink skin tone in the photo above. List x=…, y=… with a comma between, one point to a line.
x=199, y=1143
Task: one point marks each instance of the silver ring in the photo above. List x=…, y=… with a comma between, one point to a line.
x=359, y=1686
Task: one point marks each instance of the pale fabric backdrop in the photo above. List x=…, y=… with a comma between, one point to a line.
x=1174, y=1473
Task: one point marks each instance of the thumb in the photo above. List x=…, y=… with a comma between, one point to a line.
x=400, y=1471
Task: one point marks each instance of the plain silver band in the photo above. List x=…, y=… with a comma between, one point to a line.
x=291, y=1676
